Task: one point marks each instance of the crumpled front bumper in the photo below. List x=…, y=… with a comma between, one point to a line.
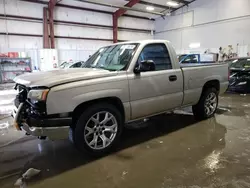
x=53, y=133
x=53, y=128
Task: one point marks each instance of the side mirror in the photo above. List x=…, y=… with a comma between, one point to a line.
x=144, y=66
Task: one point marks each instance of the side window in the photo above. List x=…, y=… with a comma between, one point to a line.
x=157, y=53
x=191, y=59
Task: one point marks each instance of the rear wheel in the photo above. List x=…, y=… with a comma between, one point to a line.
x=98, y=129
x=207, y=104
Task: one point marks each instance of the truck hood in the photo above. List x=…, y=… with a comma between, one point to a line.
x=60, y=76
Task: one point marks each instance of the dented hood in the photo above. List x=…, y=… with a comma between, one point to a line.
x=61, y=76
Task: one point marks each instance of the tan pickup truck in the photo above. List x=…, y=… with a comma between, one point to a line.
x=120, y=83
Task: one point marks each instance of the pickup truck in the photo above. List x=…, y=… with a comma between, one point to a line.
x=120, y=83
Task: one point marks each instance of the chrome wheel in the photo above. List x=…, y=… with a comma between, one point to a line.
x=100, y=130
x=210, y=104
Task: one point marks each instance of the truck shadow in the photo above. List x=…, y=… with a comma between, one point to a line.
x=60, y=156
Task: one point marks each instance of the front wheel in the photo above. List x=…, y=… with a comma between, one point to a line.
x=207, y=104
x=98, y=129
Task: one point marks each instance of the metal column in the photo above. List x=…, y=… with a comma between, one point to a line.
x=45, y=29
x=115, y=28
x=52, y=4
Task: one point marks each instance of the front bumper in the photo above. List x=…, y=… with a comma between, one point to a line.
x=53, y=128
x=53, y=133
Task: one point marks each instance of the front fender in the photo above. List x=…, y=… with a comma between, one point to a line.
x=64, y=100
x=96, y=95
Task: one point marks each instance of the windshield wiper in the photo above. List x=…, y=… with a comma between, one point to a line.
x=104, y=68
x=108, y=69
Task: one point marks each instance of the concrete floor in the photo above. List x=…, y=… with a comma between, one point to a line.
x=169, y=151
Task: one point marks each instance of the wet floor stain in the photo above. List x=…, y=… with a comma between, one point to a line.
x=172, y=150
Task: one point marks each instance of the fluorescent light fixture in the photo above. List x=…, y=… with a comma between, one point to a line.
x=172, y=4
x=194, y=45
x=150, y=8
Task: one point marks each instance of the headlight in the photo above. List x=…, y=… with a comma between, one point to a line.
x=39, y=95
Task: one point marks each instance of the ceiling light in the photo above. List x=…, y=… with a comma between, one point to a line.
x=194, y=45
x=150, y=8
x=172, y=3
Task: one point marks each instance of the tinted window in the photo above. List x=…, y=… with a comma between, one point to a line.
x=157, y=53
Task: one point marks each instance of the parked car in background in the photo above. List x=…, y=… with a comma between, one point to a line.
x=120, y=83
x=65, y=63
x=239, y=80
x=77, y=64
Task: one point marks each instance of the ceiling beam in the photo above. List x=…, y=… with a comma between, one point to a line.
x=153, y=4
x=120, y=11
x=69, y=23
x=86, y=9
x=116, y=15
x=183, y=6
x=182, y=1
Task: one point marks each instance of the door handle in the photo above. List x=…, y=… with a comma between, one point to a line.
x=172, y=78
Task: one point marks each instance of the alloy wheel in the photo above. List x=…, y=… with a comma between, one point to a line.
x=210, y=104
x=100, y=130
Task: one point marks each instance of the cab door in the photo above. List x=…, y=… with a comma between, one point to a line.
x=155, y=91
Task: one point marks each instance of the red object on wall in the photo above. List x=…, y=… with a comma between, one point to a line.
x=13, y=54
x=3, y=54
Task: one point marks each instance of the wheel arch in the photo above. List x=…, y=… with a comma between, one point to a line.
x=211, y=84
x=110, y=100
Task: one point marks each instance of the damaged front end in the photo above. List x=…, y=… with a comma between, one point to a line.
x=20, y=112
x=30, y=115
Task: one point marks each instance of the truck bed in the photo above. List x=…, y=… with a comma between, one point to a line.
x=195, y=75
x=183, y=65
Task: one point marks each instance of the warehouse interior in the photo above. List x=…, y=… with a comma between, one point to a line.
x=57, y=41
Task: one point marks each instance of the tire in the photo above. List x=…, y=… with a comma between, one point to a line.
x=95, y=135
x=200, y=110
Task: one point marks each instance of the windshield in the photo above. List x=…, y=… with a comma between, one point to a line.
x=113, y=58
x=239, y=63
